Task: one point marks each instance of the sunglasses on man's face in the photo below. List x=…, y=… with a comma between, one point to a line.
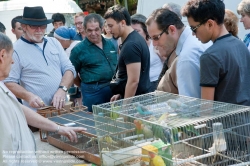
x=38, y=26
x=194, y=29
x=156, y=38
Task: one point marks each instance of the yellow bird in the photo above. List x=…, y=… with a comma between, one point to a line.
x=156, y=160
x=163, y=117
x=109, y=140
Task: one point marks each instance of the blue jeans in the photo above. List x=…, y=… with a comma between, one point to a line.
x=153, y=86
x=94, y=94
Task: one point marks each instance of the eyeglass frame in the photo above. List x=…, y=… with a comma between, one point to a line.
x=156, y=38
x=78, y=23
x=197, y=26
x=34, y=27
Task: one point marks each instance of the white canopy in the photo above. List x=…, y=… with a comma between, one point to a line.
x=13, y=8
x=49, y=6
x=146, y=7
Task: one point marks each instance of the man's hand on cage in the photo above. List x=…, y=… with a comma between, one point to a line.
x=35, y=101
x=115, y=97
x=58, y=100
x=70, y=132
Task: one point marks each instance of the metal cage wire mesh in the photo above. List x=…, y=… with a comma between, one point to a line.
x=196, y=132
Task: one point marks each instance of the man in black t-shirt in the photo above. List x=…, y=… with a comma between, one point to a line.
x=134, y=60
x=225, y=66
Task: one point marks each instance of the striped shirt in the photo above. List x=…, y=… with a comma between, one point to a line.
x=247, y=41
x=39, y=70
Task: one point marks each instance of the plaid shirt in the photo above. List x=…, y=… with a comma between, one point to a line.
x=247, y=40
x=93, y=63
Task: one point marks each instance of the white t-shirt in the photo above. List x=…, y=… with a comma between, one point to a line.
x=72, y=45
x=155, y=64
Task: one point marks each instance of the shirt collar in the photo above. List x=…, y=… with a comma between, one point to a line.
x=26, y=41
x=224, y=36
x=90, y=43
x=5, y=89
x=184, y=35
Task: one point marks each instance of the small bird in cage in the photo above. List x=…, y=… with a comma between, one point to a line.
x=92, y=142
x=148, y=133
x=113, y=113
x=162, y=133
x=176, y=105
x=141, y=109
x=109, y=140
x=163, y=118
x=155, y=160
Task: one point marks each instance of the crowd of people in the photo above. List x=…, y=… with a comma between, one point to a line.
x=118, y=56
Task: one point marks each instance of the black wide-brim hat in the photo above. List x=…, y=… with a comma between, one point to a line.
x=34, y=16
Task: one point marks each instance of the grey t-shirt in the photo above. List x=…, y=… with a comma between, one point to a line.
x=226, y=66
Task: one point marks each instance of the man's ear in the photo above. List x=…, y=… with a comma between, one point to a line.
x=123, y=23
x=171, y=29
x=13, y=31
x=2, y=54
x=210, y=23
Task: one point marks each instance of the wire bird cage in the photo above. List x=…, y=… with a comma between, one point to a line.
x=188, y=131
x=87, y=145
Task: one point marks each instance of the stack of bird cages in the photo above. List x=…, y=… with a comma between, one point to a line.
x=174, y=130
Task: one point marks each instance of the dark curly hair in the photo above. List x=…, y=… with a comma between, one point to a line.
x=203, y=10
x=118, y=13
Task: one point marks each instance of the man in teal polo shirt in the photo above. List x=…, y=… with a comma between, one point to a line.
x=95, y=61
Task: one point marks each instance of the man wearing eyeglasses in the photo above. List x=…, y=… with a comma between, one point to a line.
x=41, y=65
x=167, y=31
x=134, y=59
x=79, y=20
x=225, y=66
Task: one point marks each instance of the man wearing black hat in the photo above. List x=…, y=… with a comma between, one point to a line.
x=41, y=65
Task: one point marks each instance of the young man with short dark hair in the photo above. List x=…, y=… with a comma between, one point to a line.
x=16, y=27
x=134, y=60
x=225, y=66
x=58, y=20
x=2, y=28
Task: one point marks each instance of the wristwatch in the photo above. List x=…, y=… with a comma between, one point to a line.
x=64, y=88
